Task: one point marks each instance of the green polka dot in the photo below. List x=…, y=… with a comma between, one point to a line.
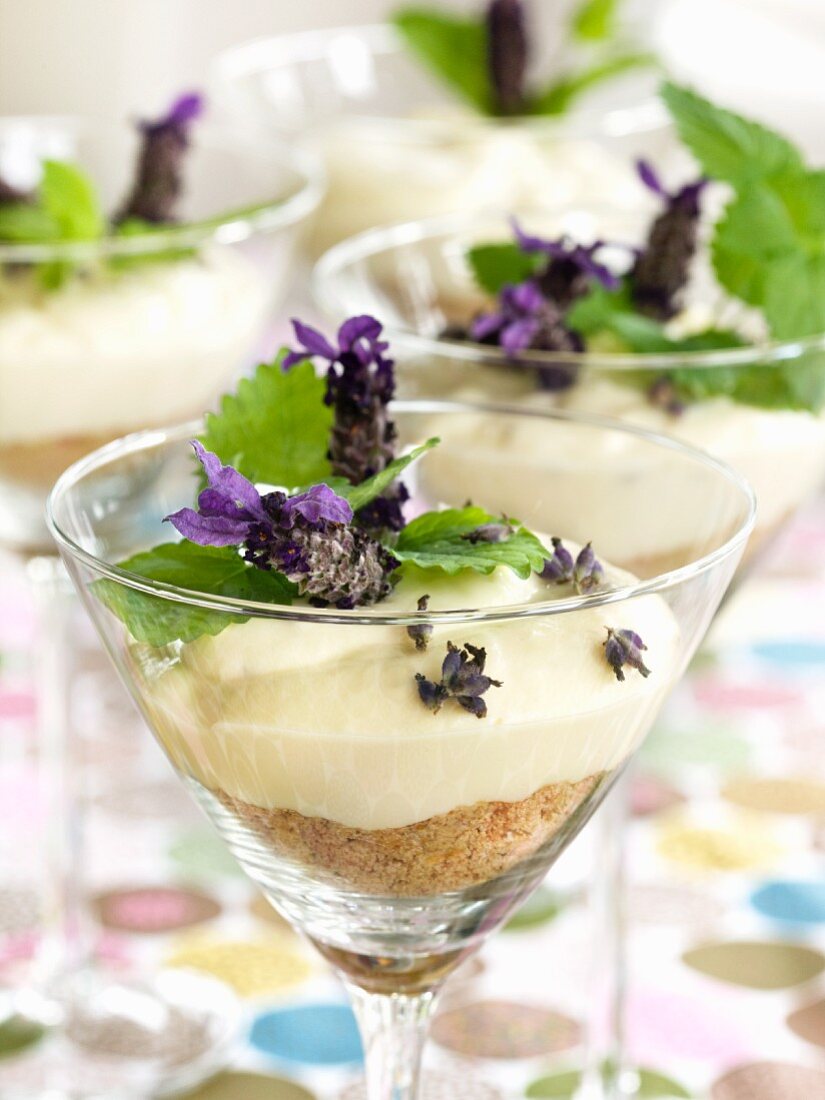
x=200, y=853
x=652, y=1086
x=667, y=752
x=17, y=1033
x=540, y=908
x=248, y=1086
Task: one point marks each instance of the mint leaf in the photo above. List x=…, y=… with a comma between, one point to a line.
x=26, y=223
x=728, y=146
x=561, y=94
x=434, y=540
x=275, y=428
x=205, y=569
x=496, y=265
x=453, y=47
x=794, y=296
x=595, y=20
x=361, y=495
x=68, y=196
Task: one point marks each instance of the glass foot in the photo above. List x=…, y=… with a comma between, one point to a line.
x=101, y=1038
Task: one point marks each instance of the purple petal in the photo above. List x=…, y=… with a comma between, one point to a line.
x=186, y=108
x=526, y=241
x=517, y=336
x=358, y=328
x=229, y=492
x=525, y=297
x=312, y=341
x=209, y=530
x=317, y=505
x=486, y=325
x=292, y=358
x=650, y=178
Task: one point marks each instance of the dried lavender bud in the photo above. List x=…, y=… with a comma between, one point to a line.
x=560, y=567
x=158, y=176
x=624, y=647
x=421, y=634
x=507, y=55
x=9, y=194
x=662, y=268
x=308, y=537
x=663, y=395
x=490, y=532
x=360, y=385
x=462, y=679
x=588, y=572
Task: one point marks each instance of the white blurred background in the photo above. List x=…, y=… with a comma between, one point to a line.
x=128, y=56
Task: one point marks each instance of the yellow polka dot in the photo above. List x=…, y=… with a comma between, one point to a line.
x=709, y=849
x=251, y=967
x=777, y=796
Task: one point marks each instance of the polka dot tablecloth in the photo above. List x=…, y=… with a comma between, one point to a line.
x=726, y=896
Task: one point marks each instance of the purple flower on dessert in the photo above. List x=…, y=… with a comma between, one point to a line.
x=571, y=268
x=624, y=647
x=507, y=55
x=663, y=395
x=588, y=572
x=585, y=572
x=662, y=267
x=526, y=320
x=307, y=537
x=360, y=385
x=490, y=532
x=159, y=174
x=421, y=634
x=462, y=678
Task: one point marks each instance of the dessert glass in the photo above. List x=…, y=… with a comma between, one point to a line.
x=396, y=145
x=396, y=839
x=416, y=279
x=142, y=330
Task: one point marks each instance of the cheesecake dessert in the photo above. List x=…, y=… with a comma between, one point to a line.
x=110, y=322
x=374, y=744
x=705, y=323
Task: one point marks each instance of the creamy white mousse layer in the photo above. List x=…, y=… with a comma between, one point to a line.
x=781, y=453
x=132, y=349
x=326, y=719
x=375, y=181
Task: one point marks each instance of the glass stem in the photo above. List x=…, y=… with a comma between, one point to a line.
x=63, y=944
x=604, y=1075
x=393, y=1030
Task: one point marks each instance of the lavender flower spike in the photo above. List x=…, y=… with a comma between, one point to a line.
x=507, y=55
x=570, y=269
x=159, y=174
x=625, y=647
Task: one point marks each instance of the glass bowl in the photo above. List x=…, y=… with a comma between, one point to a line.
x=396, y=146
x=416, y=279
x=143, y=329
x=397, y=839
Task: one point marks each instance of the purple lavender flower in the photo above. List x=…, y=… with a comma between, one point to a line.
x=360, y=385
x=586, y=572
x=560, y=567
x=462, y=679
x=525, y=320
x=571, y=268
x=158, y=177
x=421, y=634
x=662, y=394
x=307, y=537
x=624, y=647
x=507, y=55
x=662, y=268
x=490, y=532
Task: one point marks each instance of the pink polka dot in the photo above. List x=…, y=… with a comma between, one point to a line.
x=668, y=1025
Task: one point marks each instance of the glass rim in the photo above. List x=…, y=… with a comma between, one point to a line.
x=271, y=52
x=232, y=227
x=147, y=440
x=386, y=238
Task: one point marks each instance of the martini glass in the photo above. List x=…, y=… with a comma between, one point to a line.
x=415, y=277
x=139, y=330
x=396, y=145
x=395, y=839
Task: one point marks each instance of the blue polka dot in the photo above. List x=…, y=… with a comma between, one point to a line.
x=793, y=902
x=791, y=652
x=313, y=1034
